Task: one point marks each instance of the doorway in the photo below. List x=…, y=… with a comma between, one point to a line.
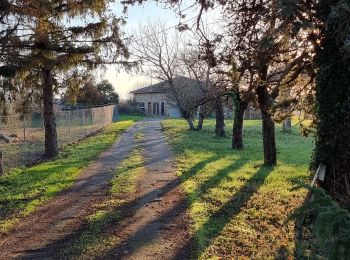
x=162, y=108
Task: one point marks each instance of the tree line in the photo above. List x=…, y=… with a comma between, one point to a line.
x=279, y=55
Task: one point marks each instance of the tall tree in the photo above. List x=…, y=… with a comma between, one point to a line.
x=200, y=63
x=48, y=41
x=333, y=97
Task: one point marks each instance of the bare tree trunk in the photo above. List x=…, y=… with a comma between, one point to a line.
x=200, y=122
x=220, y=119
x=268, y=127
x=51, y=147
x=201, y=118
x=237, y=132
x=190, y=123
x=287, y=125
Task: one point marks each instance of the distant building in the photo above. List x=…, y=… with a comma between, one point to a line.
x=157, y=99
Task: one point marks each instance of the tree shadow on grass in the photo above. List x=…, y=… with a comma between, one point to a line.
x=105, y=227
x=215, y=180
x=218, y=220
x=195, y=169
x=94, y=233
x=21, y=190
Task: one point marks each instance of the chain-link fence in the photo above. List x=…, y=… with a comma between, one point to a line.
x=22, y=137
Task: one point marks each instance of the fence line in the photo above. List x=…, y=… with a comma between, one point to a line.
x=22, y=137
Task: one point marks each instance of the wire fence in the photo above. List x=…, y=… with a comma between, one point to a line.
x=22, y=137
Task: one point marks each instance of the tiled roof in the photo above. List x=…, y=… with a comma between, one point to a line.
x=155, y=88
x=162, y=87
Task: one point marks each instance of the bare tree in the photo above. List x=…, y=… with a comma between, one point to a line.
x=158, y=49
x=200, y=63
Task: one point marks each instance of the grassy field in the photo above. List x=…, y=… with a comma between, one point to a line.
x=23, y=190
x=238, y=207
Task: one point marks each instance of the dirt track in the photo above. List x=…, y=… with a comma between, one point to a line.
x=157, y=226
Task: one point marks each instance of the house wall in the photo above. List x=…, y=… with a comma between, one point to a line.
x=153, y=99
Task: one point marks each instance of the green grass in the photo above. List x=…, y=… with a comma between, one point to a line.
x=98, y=237
x=238, y=207
x=23, y=190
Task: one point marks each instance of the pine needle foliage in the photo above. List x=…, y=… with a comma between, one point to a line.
x=329, y=225
x=333, y=98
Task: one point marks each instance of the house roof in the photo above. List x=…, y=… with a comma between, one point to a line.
x=163, y=86
x=155, y=88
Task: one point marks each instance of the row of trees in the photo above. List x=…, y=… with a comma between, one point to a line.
x=230, y=70
x=279, y=55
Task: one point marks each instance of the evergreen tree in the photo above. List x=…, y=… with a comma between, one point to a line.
x=333, y=97
x=55, y=35
x=108, y=94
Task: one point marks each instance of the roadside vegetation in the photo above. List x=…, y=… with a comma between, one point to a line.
x=98, y=236
x=24, y=189
x=238, y=206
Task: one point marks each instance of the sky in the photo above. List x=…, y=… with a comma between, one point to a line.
x=125, y=82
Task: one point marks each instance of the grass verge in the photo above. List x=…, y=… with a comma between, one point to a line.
x=24, y=190
x=238, y=207
x=98, y=236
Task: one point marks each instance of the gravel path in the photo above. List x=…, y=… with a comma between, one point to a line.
x=157, y=226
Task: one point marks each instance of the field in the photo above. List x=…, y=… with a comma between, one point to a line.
x=238, y=207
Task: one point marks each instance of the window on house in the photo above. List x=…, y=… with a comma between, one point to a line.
x=141, y=106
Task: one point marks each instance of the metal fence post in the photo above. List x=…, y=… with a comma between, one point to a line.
x=69, y=122
x=25, y=139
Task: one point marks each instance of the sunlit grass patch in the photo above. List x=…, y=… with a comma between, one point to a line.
x=239, y=207
x=98, y=237
x=23, y=190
